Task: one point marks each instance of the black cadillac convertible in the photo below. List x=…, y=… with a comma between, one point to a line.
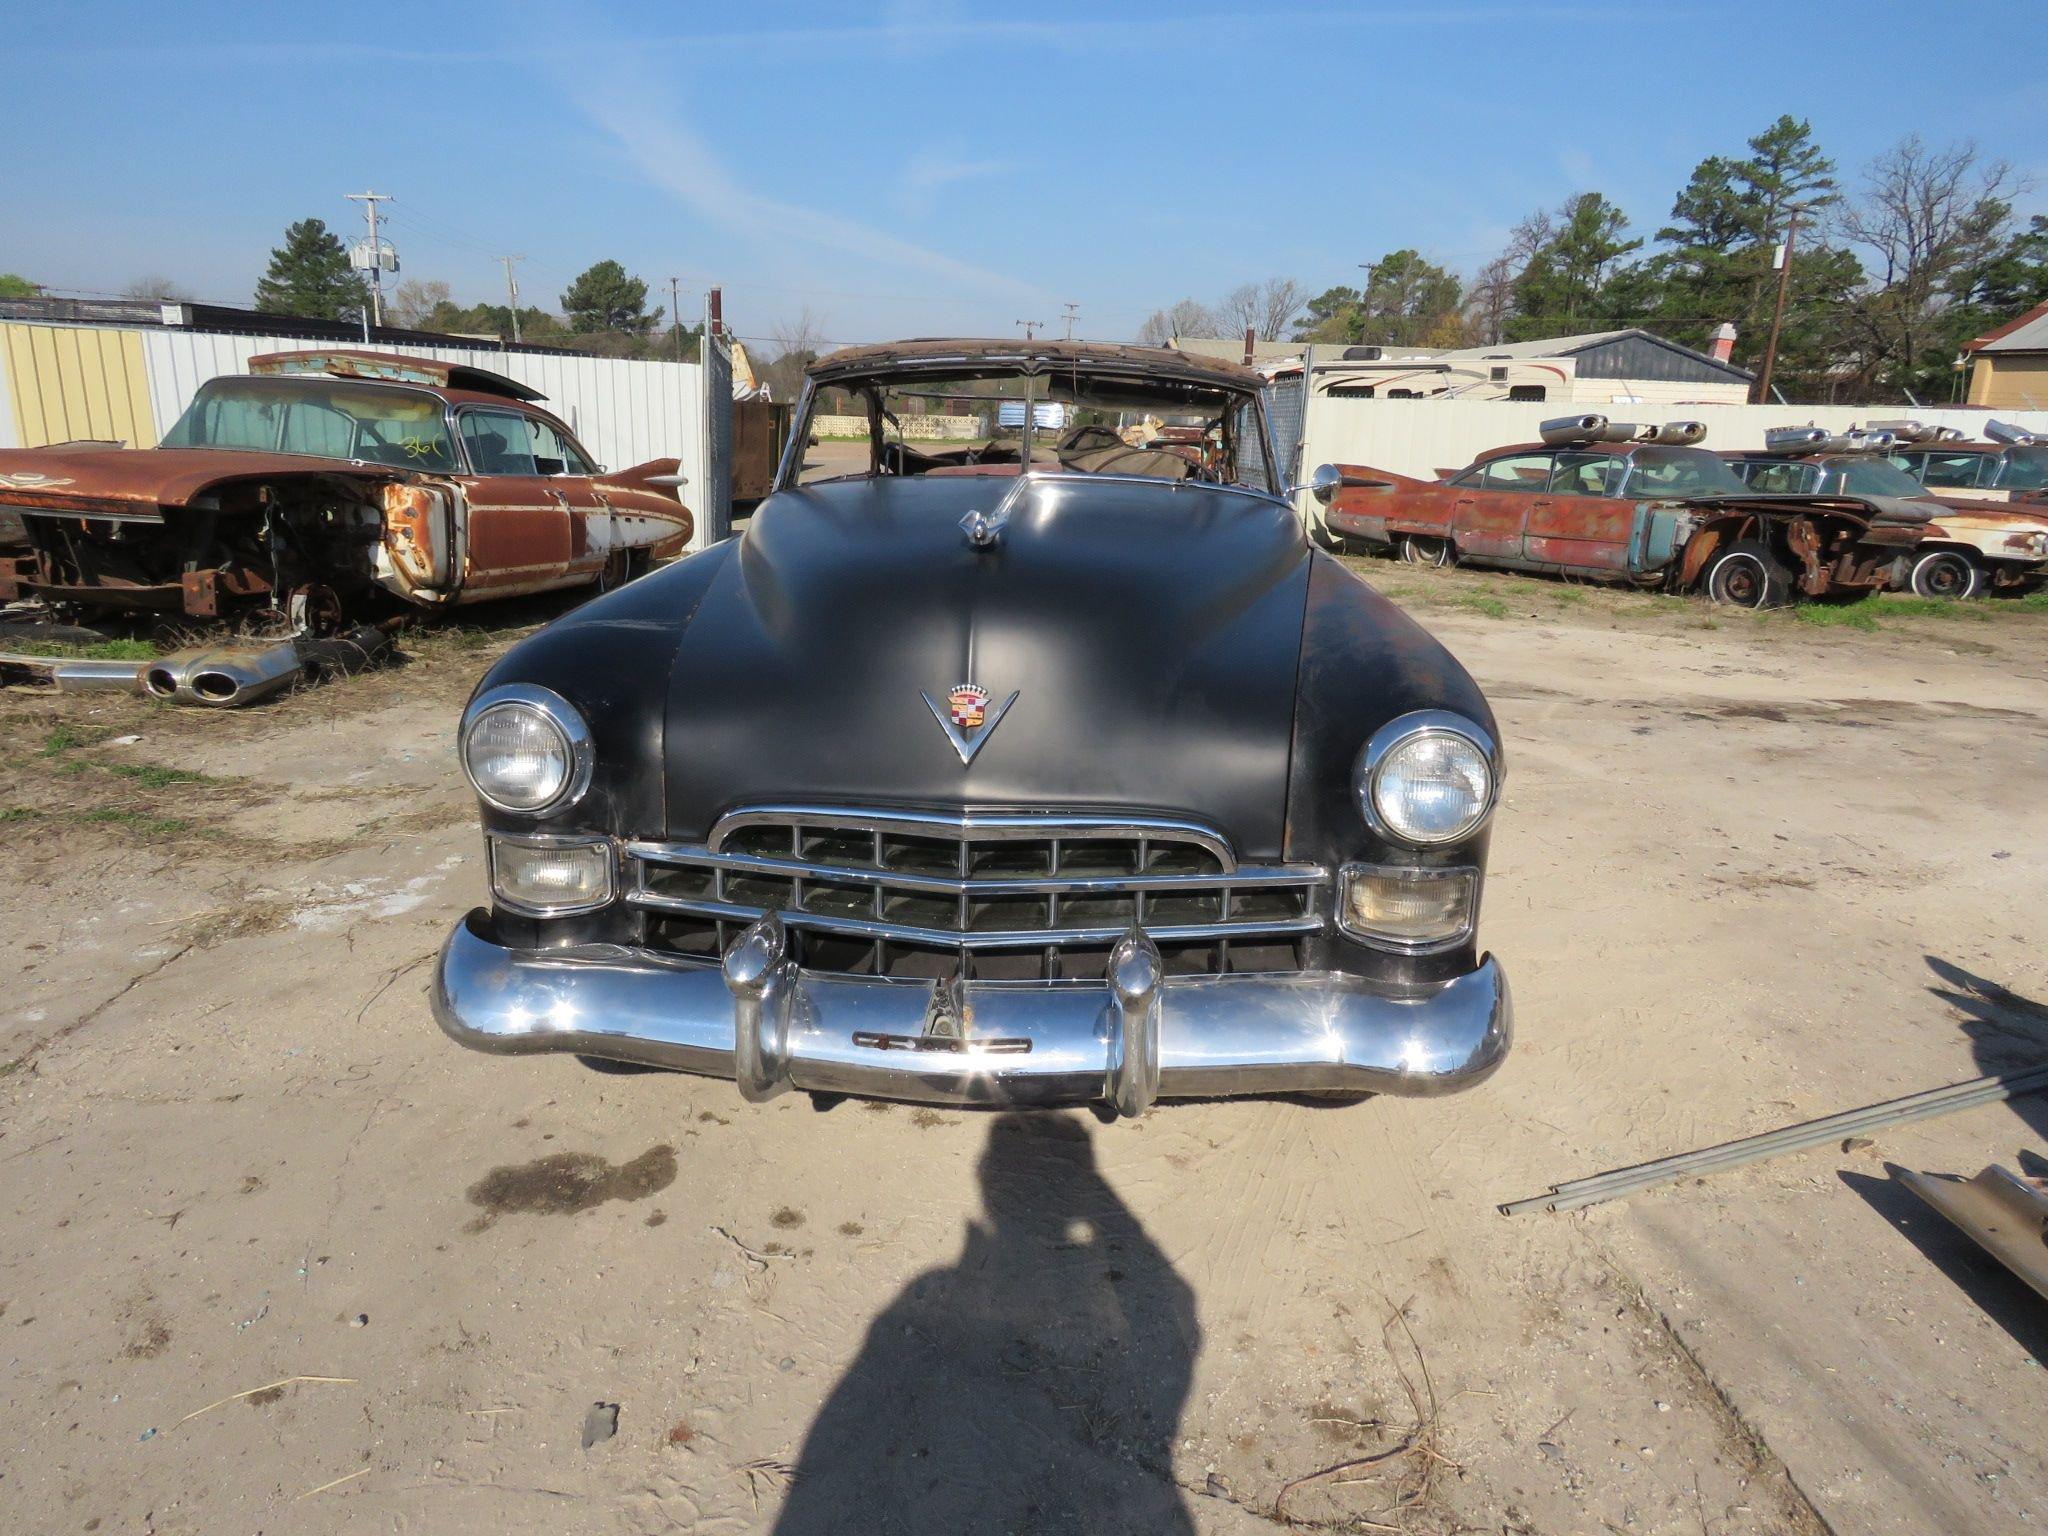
x=1022, y=750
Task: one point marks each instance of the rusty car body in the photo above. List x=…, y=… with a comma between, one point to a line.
x=1994, y=498
x=1613, y=501
x=1971, y=546
x=1054, y=770
x=324, y=482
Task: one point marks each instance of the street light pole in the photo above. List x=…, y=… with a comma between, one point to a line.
x=1763, y=383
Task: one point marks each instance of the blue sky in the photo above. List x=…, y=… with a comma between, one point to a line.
x=932, y=167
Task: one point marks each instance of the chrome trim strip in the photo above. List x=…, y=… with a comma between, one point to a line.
x=695, y=856
x=969, y=826
x=954, y=938
x=1217, y=1036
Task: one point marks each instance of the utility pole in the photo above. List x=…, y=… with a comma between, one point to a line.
x=370, y=200
x=512, y=294
x=1763, y=383
x=675, y=313
x=1030, y=328
x=1071, y=310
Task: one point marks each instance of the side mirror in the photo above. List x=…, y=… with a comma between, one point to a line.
x=1326, y=480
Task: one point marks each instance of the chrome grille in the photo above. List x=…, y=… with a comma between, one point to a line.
x=1028, y=898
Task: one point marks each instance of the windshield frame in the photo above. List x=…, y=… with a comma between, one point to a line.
x=887, y=374
x=297, y=383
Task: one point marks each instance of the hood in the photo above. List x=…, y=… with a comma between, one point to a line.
x=64, y=479
x=1151, y=634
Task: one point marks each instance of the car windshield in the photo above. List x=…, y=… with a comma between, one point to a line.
x=1064, y=419
x=1680, y=472
x=2025, y=469
x=1878, y=477
x=322, y=418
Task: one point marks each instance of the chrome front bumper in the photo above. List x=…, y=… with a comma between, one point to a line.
x=760, y=1021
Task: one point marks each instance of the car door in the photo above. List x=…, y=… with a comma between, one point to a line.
x=523, y=526
x=629, y=523
x=1578, y=523
x=1490, y=512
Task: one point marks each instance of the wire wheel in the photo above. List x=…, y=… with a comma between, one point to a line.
x=1945, y=573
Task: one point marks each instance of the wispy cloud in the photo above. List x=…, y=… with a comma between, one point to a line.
x=929, y=172
x=674, y=157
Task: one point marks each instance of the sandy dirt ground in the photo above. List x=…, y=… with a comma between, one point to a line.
x=276, y=1256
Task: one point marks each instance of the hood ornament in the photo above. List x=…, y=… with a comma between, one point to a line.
x=968, y=717
x=984, y=530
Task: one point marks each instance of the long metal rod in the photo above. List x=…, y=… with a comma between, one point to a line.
x=1600, y=1187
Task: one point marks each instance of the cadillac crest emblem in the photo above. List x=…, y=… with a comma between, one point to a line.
x=968, y=716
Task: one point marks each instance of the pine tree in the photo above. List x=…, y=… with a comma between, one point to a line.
x=1575, y=279
x=309, y=275
x=604, y=298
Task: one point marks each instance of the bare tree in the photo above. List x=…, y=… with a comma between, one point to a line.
x=158, y=287
x=413, y=300
x=797, y=341
x=1267, y=309
x=1927, y=218
x=1186, y=318
x=1490, y=299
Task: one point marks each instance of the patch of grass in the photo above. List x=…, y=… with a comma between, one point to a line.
x=1930, y=608
x=103, y=650
x=63, y=738
x=1492, y=607
x=1836, y=615
x=19, y=813
x=138, y=822
x=156, y=776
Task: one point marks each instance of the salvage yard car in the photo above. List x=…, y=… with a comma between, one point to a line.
x=1614, y=501
x=323, y=481
x=1066, y=772
x=1970, y=546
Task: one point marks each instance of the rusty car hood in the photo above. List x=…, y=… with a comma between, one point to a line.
x=1150, y=632
x=56, y=478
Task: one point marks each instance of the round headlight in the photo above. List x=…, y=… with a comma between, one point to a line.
x=1427, y=779
x=525, y=750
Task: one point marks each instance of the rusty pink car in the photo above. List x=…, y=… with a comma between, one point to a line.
x=1640, y=504
x=330, y=482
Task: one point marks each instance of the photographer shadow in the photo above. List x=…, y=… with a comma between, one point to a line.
x=1035, y=1385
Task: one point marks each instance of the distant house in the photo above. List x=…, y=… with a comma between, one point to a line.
x=2009, y=366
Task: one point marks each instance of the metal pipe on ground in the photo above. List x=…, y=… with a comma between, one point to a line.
x=1612, y=1185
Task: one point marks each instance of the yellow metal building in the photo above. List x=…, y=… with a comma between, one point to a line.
x=68, y=383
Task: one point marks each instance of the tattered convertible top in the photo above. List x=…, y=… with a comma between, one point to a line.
x=393, y=368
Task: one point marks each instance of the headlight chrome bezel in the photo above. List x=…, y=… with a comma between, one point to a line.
x=1397, y=732
x=561, y=716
